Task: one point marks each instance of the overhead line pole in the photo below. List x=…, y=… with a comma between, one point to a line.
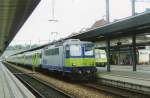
x=107, y=11
x=133, y=7
x=108, y=40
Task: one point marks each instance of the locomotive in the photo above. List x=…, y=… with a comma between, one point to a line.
x=100, y=58
x=72, y=58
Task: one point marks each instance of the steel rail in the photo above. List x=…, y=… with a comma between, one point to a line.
x=34, y=91
x=19, y=74
x=115, y=91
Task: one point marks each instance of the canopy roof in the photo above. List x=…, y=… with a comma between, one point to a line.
x=139, y=24
x=13, y=14
x=127, y=27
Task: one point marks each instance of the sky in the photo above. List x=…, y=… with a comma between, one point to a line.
x=72, y=16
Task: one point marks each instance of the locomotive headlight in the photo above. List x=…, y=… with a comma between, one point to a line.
x=88, y=71
x=80, y=72
x=73, y=64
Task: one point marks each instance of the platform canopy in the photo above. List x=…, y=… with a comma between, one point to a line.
x=13, y=14
x=138, y=24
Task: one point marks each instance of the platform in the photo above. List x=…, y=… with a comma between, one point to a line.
x=127, y=79
x=10, y=86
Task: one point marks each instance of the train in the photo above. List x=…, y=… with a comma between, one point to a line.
x=72, y=58
x=100, y=57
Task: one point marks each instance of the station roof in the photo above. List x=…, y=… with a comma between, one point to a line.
x=125, y=27
x=13, y=14
x=139, y=24
x=142, y=44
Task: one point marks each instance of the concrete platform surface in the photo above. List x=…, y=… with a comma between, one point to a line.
x=10, y=86
x=140, y=68
x=138, y=78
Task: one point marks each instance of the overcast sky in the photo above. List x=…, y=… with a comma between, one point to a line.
x=72, y=16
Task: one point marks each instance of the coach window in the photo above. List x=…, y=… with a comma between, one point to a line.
x=52, y=52
x=45, y=52
x=56, y=51
x=40, y=55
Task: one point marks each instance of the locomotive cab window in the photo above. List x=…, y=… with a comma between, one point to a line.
x=88, y=50
x=100, y=53
x=75, y=50
x=103, y=55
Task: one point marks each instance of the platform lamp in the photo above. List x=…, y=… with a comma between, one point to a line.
x=53, y=12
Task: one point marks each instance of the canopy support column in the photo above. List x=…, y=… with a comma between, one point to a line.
x=108, y=54
x=134, y=56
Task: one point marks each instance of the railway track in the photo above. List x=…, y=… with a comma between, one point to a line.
x=33, y=90
x=38, y=87
x=122, y=93
x=104, y=89
x=42, y=88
